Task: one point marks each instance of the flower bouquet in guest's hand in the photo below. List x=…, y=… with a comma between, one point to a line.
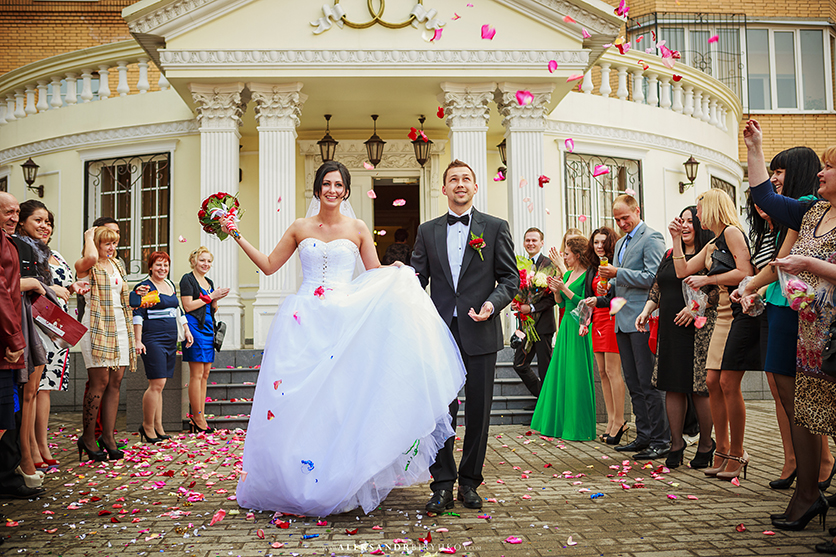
x=533, y=286
x=696, y=301
x=216, y=207
x=800, y=295
x=583, y=313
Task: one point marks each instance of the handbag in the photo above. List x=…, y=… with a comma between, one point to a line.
x=653, y=327
x=828, y=355
x=220, y=333
x=516, y=340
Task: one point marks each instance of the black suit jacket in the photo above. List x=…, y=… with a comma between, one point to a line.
x=494, y=280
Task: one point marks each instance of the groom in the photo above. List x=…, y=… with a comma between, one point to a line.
x=468, y=259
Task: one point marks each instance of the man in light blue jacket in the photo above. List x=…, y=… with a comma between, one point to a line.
x=637, y=256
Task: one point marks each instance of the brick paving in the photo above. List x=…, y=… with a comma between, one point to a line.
x=79, y=513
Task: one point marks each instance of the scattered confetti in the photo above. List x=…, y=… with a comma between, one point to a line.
x=513, y=539
x=399, y=203
x=181, y=239
x=543, y=180
x=740, y=527
x=582, y=218
x=735, y=482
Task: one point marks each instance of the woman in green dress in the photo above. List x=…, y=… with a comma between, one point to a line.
x=566, y=406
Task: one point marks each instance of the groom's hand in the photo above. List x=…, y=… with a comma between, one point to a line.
x=484, y=313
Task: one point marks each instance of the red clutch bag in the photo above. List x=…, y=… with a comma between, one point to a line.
x=58, y=325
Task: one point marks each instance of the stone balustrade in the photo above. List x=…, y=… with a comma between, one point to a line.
x=82, y=76
x=642, y=79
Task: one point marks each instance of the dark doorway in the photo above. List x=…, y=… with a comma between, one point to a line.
x=396, y=206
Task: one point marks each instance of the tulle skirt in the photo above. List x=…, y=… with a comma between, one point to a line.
x=352, y=397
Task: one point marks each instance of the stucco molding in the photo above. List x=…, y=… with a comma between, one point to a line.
x=277, y=106
x=99, y=138
x=528, y=117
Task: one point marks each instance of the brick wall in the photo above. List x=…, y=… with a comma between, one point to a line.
x=752, y=8
x=782, y=131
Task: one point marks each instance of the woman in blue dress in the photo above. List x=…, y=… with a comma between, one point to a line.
x=155, y=331
x=200, y=301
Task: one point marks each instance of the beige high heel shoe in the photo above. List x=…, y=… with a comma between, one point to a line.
x=35, y=480
x=731, y=474
x=716, y=469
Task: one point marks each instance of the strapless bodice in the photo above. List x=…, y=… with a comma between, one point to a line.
x=326, y=264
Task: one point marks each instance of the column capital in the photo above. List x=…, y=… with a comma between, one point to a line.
x=466, y=104
x=518, y=117
x=218, y=106
x=277, y=105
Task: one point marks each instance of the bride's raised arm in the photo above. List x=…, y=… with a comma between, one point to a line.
x=368, y=251
x=268, y=264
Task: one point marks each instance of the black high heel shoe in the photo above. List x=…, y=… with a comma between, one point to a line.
x=786, y=483
x=193, y=428
x=826, y=483
x=675, y=458
x=143, y=435
x=819, y=508
x=164, y=437
x=703, y=458
x=616, y=439
x=112, y=454
x=98, y=456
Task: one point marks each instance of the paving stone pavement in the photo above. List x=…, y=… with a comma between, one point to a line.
x=140, y=506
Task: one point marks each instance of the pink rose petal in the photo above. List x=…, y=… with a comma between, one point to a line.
x=585, y=34
x=552, y=66
x=436, y=35
x=368, y=165
x=524, y=98
x=371, y=194
x=616, y=304
x=600, y=170
x=735, y=482
x=569, y=19
x=570, y=144
x=513, y=539
x=713, y=38
x=582, y=218
x=488, y=32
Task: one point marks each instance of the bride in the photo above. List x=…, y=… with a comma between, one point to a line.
x=356, y=377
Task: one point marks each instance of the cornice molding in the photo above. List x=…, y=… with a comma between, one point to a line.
x=551, y=12
x=100, y=138
x=179, y=16
x=643, y=140
x=568, y=60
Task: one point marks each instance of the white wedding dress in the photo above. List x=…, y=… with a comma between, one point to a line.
x=353, y=392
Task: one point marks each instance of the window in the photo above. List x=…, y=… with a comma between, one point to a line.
x=589, y=198
x=726, y=187
x=4, y=183
x=786, y=69
x=136, y=192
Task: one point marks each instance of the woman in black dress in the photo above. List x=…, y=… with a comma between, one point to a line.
x=682, y=347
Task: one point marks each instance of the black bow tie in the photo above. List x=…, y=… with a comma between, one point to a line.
x=451, y=219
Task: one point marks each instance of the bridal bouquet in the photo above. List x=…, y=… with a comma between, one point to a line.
x=533, y=286
x=216, y=207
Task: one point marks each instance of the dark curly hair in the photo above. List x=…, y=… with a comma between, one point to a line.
x=609, y=245
x=580, y=247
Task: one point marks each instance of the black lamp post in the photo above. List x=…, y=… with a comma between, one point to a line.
x=691, y=167
x=30, y=174
x=422, y=148
x=374, y=145
x=327, y=145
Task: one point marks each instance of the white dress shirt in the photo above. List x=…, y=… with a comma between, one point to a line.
x=457, y=237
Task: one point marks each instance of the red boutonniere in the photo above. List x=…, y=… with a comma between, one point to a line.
x=477, y=243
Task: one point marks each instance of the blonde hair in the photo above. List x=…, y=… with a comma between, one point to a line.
x=829, y=155
x=717, y=207
x=627, y=200
x=193, y=256
x=104, y=234
x=569, y=232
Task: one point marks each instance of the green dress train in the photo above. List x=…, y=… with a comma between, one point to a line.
x=566, y=406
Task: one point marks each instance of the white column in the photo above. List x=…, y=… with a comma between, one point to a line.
x=677, y=97
x=43, y=103
x=219, y=110
x=467, y=110
x=278, y=108
x=713, y=120
x=706, y=101
x=86, y=85
x=697, y=104
x=20, y=100
x=72, y=88
x=587, y=86
x=605, y=80
x=622, y=83
x=524, y=128
x=55, y=101
x=688, y=110
x=638, y=90
x=665, y=87
x=142, y=83
x=652, y=89
x=104, y=83
x=122, y=87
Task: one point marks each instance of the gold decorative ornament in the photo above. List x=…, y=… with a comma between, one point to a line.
x=377, y=17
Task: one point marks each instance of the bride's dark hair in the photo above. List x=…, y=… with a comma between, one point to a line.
x=327, y=167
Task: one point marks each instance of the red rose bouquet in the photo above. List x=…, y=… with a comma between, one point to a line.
x=533, y=286
x=216, y=207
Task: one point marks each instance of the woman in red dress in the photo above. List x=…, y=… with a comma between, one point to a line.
x=601, y=247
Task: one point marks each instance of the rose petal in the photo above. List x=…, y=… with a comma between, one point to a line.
x=371, y=194
x=713, y=38
x=552, y=66
x=218, y=516
x=735, y=482
x=437, y=34
x=570, y=541
x=740, y=527
x=523, y=182
x=574, y=77
x=600, y=170
x=616, y=304
x=524, y=97
x=181, y=239
x=585, y=34
x=568, y=19
x=368, y=165
x=513, y=539
x=676, y=77
x=570, y=144
x=769, y=532
x=440, y=112
x=488, y=32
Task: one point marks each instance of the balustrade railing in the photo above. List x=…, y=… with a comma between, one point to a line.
x=643, y=79
x=82, y=76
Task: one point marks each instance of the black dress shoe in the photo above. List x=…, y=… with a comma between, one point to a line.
x=633, y=447
x=652, y=453
x=440, y=501
x=22, y=492
x=469, y=497
x=828, y=547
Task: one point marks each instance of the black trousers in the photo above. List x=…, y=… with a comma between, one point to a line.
x=648, y=401
x=10, y=458
x=478, y=392
x=522, y=363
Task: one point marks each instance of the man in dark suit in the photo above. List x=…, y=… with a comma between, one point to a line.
x=637, y=257
x=542, y=311
x=467, y=257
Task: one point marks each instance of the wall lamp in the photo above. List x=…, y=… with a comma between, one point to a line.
x=30, y=174
x=691, y=167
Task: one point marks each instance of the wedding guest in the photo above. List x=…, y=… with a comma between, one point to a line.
x=814, y=397
x=400, y=250
x=726, y=258
x=556, y=255
x=542, y=311
x=12, y=346
x=566, y=407
x=683, y=347
x=108, y=345
x=200, y=302
x=637, y=256
x=155, y=330
x=604, y=346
